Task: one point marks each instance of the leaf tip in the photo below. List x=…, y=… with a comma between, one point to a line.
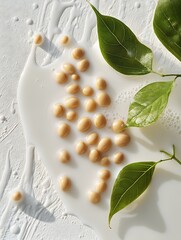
x=109, y=220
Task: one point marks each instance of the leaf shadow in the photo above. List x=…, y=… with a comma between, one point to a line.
x=35, y=209
x=146, y=212
x=158, y=137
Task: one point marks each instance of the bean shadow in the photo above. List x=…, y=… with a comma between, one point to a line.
x=147, y=212
x=47, y=53
x=36, y=210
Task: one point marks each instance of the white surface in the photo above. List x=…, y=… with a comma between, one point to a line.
x=33, y=221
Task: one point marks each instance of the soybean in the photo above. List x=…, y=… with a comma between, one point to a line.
x=84, y=124
x=65, y=183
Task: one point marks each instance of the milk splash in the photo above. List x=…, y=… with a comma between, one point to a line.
x=77, y=20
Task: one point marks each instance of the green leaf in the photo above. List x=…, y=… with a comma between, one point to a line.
x=149, y=103
x=120, y=47
x=131, y=182
x=167, y=25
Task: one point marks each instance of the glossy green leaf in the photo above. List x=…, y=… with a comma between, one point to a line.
x=167, y=25
x=149, y=103
x=120, y=47
x=131, y=182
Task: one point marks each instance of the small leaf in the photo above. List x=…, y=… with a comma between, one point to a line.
x=120, y=47
x=131, y=182
x=167, y=25
x=149, y=103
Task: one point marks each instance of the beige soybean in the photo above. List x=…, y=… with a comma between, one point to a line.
x=122, y=139
x=64, y=156
x=90, y=105
x=118, y=158
x=94, y=155
x=105, y=161
x=58, y=110
x=92, y=138
x=83, y=65
x=101, y=186
x=103, y=99
x=64, y=40
x=73, y=88
x=118, y=126
x=38, y=39
x=69, y=68
x=104, y=174
x=61, y=77
x=72, y=102
x=78, y=53
x=101, y=84
x=104, y=145
x=63, y=130
x=84, y=124
x=17, y=196
x=75, y=77
x=94, y=197
x=87, y=91
x=71, y=116
x=81, y=148
x=100, y=121
x=65, y=183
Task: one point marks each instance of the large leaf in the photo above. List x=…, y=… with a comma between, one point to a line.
x=120, y=47
x=167, y=25
x=149, y=103
x=131, y=182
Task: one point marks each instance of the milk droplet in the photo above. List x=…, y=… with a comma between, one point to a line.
x=29, y=21
x=15, y=173
x=15, y=229
x=46, y=183
x=15, y=19
x=137, y=4
x=35, y=6
x=3, y=119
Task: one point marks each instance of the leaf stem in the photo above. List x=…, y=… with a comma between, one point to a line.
x=170, y=75
x=167, y=75
x=171, y=156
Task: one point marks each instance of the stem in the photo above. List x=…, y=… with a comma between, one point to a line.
x=165, y=160
x=171, y=156
x=170, y=75
x=167, y=75
x=166, y=153
x=179, y=162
